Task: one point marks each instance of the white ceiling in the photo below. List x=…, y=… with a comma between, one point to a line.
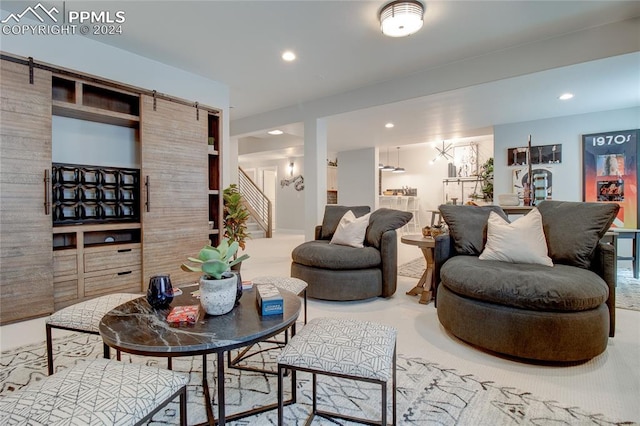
x=340, y=49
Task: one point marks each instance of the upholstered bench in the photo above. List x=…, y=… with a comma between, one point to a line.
x=295, y=286
x=96, y=392
x=346, y=348
x=83, y=317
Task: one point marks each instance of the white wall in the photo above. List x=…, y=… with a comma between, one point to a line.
x=422, y=174
x=568, y=131
x=289, y=202
x=96, y=144
x=88, y=56
x=358, y=178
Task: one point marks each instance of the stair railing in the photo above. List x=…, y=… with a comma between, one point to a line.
x=256, y=201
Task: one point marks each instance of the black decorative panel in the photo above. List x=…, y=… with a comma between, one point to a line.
x=91, y=194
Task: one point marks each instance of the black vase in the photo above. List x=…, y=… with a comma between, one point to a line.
x=160, y=292
x=236, y=272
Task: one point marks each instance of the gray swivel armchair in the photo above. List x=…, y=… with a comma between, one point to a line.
x=564, y=313
x=337, y=272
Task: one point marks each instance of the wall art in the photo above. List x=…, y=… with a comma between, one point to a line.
x=521, y=176
x=610, y=172
x=541, y=154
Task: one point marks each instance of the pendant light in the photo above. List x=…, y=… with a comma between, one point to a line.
x=387, y=167
x=398, y=169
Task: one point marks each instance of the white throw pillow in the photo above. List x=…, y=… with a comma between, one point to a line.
x=521, y=241
x=351, y=230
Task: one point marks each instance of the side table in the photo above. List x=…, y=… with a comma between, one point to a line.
x=615, y=234
x=425, y=286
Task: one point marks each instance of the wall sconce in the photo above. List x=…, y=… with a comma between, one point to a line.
x=291, y=168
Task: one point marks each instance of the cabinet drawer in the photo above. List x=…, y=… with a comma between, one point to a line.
x=125, y=280
x=104, y=258
x=65, y=263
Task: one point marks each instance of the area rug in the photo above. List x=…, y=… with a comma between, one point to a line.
x=428, y=393
x=627, y=288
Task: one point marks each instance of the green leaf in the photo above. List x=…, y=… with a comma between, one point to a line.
x=188, y=268
x=215, y=268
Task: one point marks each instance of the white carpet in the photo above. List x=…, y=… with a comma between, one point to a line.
x=428, y=393
x=627, y=288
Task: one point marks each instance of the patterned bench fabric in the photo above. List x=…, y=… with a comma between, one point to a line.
x=86, y=316
x=99, y=392
x=294, y=285
x=343, y=346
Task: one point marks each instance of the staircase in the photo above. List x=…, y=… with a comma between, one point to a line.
x=260, y=222
x=254, y=229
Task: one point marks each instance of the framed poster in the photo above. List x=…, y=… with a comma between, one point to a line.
x=466, y=160
x=610, y=172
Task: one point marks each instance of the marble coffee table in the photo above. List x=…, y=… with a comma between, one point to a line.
x=137, y=328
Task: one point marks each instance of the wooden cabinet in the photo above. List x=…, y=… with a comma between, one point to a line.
x=216, y=226
x=114, y=227
x=96, y=259
x=26, y=256
x=175, y=211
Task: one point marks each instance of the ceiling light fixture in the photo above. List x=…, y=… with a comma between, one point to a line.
x=289, y=56
x=444, y=152
x=398, y=169
x=401, y=18
x=275, y=132
x=565, y=96
x=389, y=125
x=387, y=168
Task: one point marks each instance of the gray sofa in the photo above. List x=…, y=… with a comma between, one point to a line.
x=562, y=313
x=337, y=272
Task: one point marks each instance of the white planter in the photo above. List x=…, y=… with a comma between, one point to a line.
x=218, y=297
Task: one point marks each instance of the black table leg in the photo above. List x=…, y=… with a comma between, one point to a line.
x=207, y=397
x=221, y=400
x=635, y=248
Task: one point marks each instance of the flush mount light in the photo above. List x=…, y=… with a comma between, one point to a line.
x=275, y=132
x=289, y=56
x=565, y=96
x=389, y=125
x=401, y=18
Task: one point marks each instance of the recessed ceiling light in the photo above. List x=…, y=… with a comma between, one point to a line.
x=565, y=96
x=289, y=56
x=275, y=132
x=389, y=125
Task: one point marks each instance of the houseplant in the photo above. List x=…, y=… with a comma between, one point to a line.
x=486, y=174
x=236, y=216
x=218, y=286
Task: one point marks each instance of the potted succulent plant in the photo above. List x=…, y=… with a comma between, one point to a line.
x=218, y=286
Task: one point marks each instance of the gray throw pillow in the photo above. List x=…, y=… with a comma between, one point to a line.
x=383, y=220
x=468, y=226
x=573, y=229
x=333, y=214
